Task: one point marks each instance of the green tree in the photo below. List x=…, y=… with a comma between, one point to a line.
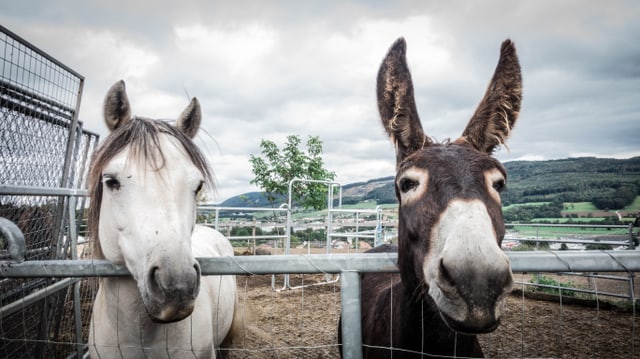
x=276, y=167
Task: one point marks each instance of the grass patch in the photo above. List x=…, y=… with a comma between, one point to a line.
x=573, y=207
x=528, y=204
x=578, y=220
x=561, y=232
x=532, y=245
x=634, y=206
x=555, y=287
x=369, y=205
x=576, y=207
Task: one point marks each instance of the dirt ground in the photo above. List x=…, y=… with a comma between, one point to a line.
x=301, y=323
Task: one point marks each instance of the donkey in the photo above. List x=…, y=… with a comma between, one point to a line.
x=454, y=277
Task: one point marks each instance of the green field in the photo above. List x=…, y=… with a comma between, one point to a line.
x=635, y=206
x=562, y=232
x=505, y=208
x=574, y=207
x=580, y=220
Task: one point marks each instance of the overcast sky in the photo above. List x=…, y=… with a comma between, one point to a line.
x=267, y=69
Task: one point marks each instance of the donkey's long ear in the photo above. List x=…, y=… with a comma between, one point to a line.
x=397, y=105
x=117, y=111
x=498, y=111
x=190, y=118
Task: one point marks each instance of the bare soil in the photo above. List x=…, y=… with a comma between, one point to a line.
x=302, y=323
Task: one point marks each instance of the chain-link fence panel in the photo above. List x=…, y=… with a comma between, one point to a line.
x=43, y=146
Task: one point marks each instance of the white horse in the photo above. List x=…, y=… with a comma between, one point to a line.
x=144, y=182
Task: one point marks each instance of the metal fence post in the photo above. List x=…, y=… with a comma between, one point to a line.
x=632, y=237
x=351, y=315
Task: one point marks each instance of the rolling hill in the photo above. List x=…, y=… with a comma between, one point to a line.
x=607, y=183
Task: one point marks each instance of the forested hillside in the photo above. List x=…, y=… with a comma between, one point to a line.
x=607, y=183
x=252, y=199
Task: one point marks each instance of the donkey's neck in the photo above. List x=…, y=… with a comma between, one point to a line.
x=418, y=311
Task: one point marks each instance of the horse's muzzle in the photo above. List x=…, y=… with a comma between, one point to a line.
x=171, y=293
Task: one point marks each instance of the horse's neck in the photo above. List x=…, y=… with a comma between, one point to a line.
x=121, y=311
x=120, y=327
x=119, y=298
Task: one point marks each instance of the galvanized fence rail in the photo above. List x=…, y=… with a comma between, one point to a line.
x=348, y=266
x=548, y=234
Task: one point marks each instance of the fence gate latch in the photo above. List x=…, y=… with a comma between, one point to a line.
x=14, y=239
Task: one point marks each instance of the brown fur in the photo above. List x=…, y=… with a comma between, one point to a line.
x=496, y=114
x=396, y=105
x=397, y=310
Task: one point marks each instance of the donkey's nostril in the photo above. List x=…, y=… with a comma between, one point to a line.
x=152, y=274
x=445, y=275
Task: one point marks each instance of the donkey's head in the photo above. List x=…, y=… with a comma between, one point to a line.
x=451, y=225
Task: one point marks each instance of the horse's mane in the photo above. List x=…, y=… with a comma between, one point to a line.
x=142, y=135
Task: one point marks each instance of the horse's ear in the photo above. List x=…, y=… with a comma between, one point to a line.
x=396, y=103
x=498, y=111
x=117, y=111
x=190, y=118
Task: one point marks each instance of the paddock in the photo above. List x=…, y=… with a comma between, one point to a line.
x=45, y=300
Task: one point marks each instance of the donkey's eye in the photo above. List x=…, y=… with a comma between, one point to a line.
x=407, y=185
x=111, y=182
x=499, y=185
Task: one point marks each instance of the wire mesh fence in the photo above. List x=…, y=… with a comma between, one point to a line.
x=42, y=147
x=303, y=322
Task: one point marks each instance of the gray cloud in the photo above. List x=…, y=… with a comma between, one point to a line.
x=272, y=68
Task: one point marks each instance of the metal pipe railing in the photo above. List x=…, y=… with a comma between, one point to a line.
x=348, y=266
x=537, y=261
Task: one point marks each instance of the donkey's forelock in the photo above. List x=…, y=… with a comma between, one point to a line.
x=141, y=135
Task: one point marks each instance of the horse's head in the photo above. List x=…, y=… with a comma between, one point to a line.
x=451, y=225
x=144, y=182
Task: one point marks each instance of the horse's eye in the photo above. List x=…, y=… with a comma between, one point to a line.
x=200, y=187
x=407, y=185
x=111, y=182
x=499, y=185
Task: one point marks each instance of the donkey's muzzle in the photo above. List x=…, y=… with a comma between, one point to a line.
x=471, y=300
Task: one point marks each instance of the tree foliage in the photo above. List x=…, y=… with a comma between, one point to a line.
x=276, y=167
x=526, y=213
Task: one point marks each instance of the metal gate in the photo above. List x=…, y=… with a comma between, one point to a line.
x=43, y=157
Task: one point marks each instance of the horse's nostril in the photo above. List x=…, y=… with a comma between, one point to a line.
x=197, y=269
x=154, y=285
x=196, y=288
